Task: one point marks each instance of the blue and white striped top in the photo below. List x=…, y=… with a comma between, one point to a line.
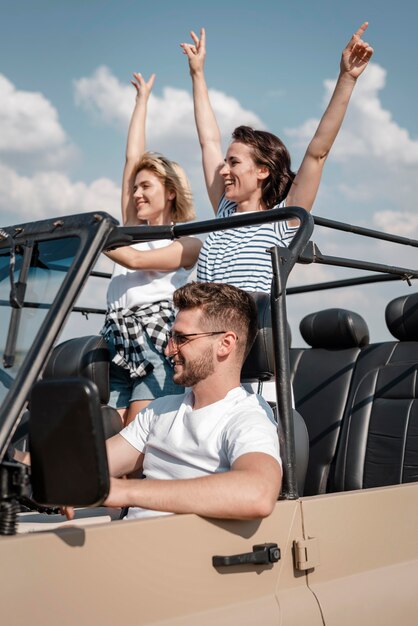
x=239, y=256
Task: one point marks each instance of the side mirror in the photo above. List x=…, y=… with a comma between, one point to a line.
x=67, y=444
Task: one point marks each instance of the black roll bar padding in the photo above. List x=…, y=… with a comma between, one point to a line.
x=284, y=414
x=346, y=282
x=283, y=261
x=127, y=235
x=366, y=232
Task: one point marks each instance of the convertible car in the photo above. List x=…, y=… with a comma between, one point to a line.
x=341, y=546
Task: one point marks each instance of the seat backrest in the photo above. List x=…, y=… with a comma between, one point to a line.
x=379, y=438
x=87, y=357
x=259, y=367
x=82, y=356
x=259, y=364
x=321, y=378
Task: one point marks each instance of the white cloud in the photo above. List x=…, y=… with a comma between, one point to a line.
x=369, y=130
x=30, y=128
x=372, y=166
x=103, y=95
x=402, y=223
x=49, y=194
x=170, y=115
x=33, y=140
x=170, y=121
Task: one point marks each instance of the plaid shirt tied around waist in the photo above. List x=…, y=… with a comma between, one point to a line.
x=127, y=328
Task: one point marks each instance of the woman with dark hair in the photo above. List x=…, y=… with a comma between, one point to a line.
x=140, y=308
x=256, y=174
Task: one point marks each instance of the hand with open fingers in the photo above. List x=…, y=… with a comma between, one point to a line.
x=68, y=511
x=196, y=52
x=357, y=54
x=143, y=87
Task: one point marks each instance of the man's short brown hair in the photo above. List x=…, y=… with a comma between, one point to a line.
x=223, y=307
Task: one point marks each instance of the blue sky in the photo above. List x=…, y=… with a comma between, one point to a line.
x=65, y=102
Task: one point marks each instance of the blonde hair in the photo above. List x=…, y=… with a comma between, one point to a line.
x=174, y=178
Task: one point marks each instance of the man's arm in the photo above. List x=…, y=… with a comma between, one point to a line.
x=122, y=457
x=248, y=491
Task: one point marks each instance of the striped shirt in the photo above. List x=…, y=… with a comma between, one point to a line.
x=240, y=256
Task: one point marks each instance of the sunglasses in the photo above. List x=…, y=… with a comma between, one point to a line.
x=178, y=340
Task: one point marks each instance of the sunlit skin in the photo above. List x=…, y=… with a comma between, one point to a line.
x=188, y=371
x=135, y=146
x=193, y=363
x=213, y=384
x=243, y=178
x=354, y=60
x=152, y=200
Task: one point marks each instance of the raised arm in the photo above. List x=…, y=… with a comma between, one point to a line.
x=355, y=58
x=180, y=253
x=248, y=491
x=206, y=124
x=135, y=145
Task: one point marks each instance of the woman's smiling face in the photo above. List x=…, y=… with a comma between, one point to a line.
x=242, y=176
x=152, y=199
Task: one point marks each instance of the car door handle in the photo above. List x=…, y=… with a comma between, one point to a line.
x=262, y=553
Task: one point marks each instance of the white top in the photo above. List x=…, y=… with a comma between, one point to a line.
x=240, y=256
x=179, y=442
x=129, y=288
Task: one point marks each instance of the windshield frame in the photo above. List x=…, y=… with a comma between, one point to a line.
x=92, y=230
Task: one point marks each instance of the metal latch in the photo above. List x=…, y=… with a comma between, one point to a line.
x=261, y=555
x=306, y=553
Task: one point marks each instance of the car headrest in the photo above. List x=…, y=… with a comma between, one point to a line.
x=334, y=329
x=259, y=364
x=402, y=317
x=82, y=356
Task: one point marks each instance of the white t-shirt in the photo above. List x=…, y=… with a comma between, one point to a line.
x=180, y=443
x=129, y=288
x=239, y=256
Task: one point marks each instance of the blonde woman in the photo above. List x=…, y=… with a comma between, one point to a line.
x=155, y=191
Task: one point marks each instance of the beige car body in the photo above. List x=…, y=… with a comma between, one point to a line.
x=346, y=558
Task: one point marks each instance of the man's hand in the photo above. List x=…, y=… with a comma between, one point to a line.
x=68, y=511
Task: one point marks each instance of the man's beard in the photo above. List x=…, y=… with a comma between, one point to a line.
x=195, y=371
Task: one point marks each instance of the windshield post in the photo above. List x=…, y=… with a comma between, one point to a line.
x=17, y=297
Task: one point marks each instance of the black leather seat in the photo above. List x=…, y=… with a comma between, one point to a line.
x=86, y=357
x=259, y=367
x=379, y=438
x=321, y=378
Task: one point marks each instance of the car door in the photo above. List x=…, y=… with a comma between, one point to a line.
x=364, y=555
x=157, y=571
